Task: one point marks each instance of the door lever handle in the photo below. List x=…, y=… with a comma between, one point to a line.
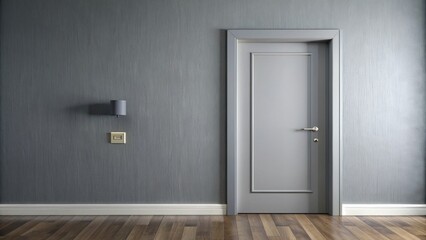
x=312, y=129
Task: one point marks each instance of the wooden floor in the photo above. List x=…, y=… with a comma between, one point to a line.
x=244, y=226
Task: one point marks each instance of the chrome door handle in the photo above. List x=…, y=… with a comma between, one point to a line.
x=312, y=129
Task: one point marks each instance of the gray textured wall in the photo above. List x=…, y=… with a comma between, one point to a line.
x=167, y=58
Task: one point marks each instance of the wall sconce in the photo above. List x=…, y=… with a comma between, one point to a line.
x=118, y=107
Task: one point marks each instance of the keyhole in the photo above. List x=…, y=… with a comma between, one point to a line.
x=316, y=139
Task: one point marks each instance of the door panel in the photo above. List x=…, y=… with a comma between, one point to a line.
x=282, y=91
x=280, y=98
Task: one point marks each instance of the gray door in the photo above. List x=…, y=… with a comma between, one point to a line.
x=284, y=167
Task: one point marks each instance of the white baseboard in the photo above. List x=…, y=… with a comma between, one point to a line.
x=112, y=209
x=186, y=209
x=383, y=209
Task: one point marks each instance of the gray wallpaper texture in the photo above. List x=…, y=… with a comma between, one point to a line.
x=63, y=60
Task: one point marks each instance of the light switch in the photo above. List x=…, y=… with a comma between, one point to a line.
x=118, y=137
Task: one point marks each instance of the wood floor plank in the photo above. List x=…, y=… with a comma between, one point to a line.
x=370, y=221
x=165, y=227
x=269, y=225
x=177, y=229
x=256, y=227
x=26, y=226
x=365, y=228
x=13, y=224
x=143, y=220
x=286, y=232
x=45, y=228
x=415, y=230
x=408, y=224
x=5, y=220
x=137, y=232
x=414, y=227
x=310, y=229
x=230, y=228
x=189, y=233
x=126, y=228
x=152, y=227
x=140, y=225
x=394, y=224
x=191, y=221
x=336, y=221
x=217, y=228
x=203, y=229
x=8, y=223
x=397, y=221
x=291, y=221
x=109, y=227
x=359, y=233
x=279, y=220
x=70, y=230
x=404, y=234
x=331, y=227
x=420, y=219
x=243, y=227
x=91, y=228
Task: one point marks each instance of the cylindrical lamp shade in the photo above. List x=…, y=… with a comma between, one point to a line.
x=118, y=107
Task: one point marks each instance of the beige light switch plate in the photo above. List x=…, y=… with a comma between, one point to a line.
x=118, y=137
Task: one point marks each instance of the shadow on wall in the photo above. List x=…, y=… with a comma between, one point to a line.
x=223, y=115
x=100, y=109
x=424, y=97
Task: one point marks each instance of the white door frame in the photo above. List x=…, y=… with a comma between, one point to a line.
x=333, y=37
